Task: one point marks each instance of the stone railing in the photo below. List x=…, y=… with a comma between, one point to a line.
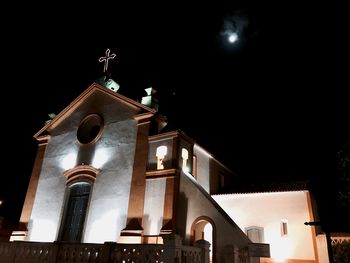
x=191, y=254
x=137, y=253
x=109, y=252
x=338, y=238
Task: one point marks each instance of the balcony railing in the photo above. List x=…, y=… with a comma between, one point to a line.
x=109, y=252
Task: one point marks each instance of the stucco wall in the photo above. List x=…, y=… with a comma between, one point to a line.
x=322, y=250
x=48, y=203
x=267, y=210
x=112, y=154
x=154, y=206
x=110, y=196
x=203, y=161
x=195, y=202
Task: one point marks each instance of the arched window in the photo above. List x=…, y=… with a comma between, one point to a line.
x=75, y=211
x=204, y=228
x=184, y=156
x=79, y=184
x=160, y=153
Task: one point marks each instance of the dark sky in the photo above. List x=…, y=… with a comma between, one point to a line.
x=273, y=107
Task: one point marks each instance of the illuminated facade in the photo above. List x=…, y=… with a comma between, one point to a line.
x=107, y=172
x=104, y=173
x=276, y=216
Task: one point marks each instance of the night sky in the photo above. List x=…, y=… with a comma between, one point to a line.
x=273, y=106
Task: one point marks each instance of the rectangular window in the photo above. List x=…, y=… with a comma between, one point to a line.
x=222, y=180
x=284, y=227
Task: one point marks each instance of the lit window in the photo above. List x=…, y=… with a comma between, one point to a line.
x=255, y=234
x=160, y=153
x=284, y=227
x=184, y=155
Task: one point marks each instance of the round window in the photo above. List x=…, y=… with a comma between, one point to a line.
x=90, y=129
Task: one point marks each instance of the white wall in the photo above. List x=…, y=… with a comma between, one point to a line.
x=113, y=154
x=47, y=208
x=322, y=248
x=154, y=206
x=267, y=210
x=109, y=202
x=194, y=202
x=203, y=161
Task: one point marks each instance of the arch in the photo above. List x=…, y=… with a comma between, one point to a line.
x=198, y=231
x=81, y=173
x=79, y=182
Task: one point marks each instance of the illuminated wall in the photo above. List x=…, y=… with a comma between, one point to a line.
x=113, y=154
x=267, y=210
x=110, y=196
x=203, y=162
x=194, y=203
x=46, y=214
x=154, y=206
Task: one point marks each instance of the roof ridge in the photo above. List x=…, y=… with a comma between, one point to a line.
x=271, y=187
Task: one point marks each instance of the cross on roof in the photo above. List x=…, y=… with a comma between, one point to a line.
x=106, y=58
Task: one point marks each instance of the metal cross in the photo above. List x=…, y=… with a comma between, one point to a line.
x=106, y=58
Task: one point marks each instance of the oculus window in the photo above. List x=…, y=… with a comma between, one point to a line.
x=90, y=129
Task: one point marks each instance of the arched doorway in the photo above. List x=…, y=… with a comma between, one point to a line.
x=204, y=228
x=79, y=182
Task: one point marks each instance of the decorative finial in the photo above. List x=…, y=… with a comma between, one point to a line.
x=149, y=100
x=106, y=58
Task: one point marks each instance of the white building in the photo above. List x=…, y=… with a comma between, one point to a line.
x=276, y=215
x=107, y=172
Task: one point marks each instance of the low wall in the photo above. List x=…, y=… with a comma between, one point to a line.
x=109, y=252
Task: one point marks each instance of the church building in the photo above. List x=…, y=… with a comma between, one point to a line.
x=106, y=174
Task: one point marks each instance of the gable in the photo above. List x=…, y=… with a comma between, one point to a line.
x=94, y=100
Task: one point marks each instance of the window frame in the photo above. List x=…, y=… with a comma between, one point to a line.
x=284, y=227
x=81, y=174
x=69, y=200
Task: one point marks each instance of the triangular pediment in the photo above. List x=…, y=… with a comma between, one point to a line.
x=95, y=95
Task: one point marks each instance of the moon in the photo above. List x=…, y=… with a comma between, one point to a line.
x=232, y=37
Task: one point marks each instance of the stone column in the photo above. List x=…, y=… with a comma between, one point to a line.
x=107, y=251
x=230, y=253
x=172, y=248
x=204, y=245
